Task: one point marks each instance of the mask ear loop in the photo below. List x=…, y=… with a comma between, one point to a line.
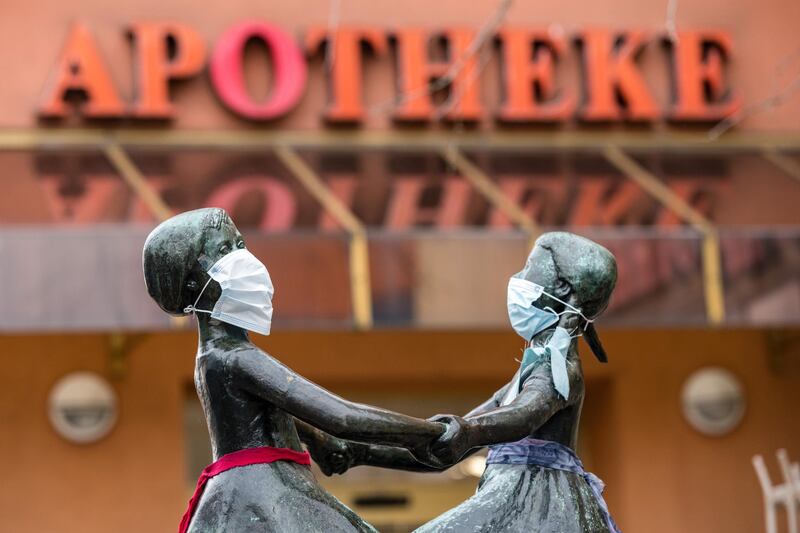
x=571, y=336
x=526, y=345
x=192, y=308
x=573, y=311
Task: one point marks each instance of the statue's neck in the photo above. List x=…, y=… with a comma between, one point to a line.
x=212, y=331
x=541, y=338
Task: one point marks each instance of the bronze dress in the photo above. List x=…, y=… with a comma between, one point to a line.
x=535, y=485
x=280, y=497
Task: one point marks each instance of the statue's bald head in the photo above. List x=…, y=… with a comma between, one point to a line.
x=171, y=254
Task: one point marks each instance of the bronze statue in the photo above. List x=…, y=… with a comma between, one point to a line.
x=533, y=481
x=257, y=409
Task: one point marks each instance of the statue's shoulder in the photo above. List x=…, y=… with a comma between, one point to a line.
x=250, y=358
x=218, y=361
x=210, y=362
x=249, y=352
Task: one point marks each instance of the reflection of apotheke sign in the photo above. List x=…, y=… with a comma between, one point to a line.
x=613, y=88
x=82, y=407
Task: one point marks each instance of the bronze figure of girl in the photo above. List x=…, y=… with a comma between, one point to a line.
x=533, y=480
x=258, y=411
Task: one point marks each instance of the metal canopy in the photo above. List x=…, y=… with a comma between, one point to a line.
x=614, y=146
x=55, y=139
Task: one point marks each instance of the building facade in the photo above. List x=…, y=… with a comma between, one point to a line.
x=391, y=164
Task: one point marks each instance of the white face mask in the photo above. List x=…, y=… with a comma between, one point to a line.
x=246, y=299
x=527, y=319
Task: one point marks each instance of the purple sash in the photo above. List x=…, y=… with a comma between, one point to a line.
x=548, y=454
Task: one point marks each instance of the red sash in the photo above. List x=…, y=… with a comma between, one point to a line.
x=249, y=456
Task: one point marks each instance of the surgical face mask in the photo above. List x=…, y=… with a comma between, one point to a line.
x=527, y=319
x=246, y=299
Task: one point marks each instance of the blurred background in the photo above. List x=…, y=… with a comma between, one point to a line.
x=391, y=163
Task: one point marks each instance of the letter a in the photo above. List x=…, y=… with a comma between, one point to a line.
x=81, y=68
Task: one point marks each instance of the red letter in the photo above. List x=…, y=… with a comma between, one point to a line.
x=279, y=204
x=288, y=77
x=80, y=68
x=529, y=59
x=700, y=92
x=600, y=202
x=540, y=196
x=415, y=72
x=343, y=188
x=405, y=211
x=696, y=192
x=154, y=67
x=610, y=71
x=345, y=79
x=76, y=196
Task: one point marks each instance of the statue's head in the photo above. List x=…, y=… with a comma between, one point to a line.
x=575, y=270
x=178, y=253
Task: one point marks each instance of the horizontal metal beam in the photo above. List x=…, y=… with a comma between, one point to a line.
x=90, y=138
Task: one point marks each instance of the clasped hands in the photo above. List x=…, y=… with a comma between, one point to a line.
x=336, y=456
x=451, y=445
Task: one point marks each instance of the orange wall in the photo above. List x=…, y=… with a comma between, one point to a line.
x=672, y=478
x=662, y=476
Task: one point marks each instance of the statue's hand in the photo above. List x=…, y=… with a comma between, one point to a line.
x=332, y=455
x=451, y=446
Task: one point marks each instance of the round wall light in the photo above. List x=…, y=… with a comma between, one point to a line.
x=713, y=401
x=82, y=407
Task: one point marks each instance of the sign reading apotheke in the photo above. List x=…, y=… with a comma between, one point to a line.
x=614, y=88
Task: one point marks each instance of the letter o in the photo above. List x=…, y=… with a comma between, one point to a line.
x=288, y=79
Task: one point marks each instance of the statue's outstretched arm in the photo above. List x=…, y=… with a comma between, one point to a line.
x=267, y=378
x=336, y=456
x=536, y=404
